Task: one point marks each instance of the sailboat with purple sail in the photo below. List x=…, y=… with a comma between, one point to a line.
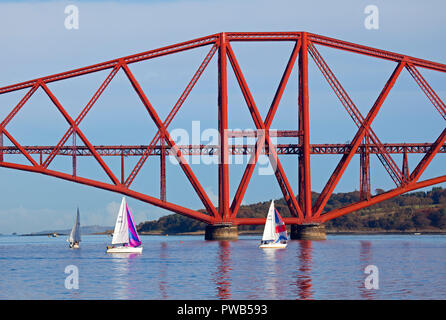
x=274, y=234
x=125, y=236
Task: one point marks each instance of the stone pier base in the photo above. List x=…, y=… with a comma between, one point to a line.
x=308, y=232
x=221, y=232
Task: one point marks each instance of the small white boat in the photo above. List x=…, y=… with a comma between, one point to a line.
x=275, y=234
x=125, y=238
x=75, y=235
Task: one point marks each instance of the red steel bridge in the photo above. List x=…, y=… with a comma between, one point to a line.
x=303, y=211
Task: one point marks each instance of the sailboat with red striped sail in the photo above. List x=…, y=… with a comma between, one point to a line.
x=125, y=236
x=275, y=234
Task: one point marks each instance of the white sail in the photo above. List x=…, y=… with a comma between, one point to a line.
x=121, y=232
x=75, y=234
x=269, y=233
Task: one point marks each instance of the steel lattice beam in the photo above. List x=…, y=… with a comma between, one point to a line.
x=238, y=149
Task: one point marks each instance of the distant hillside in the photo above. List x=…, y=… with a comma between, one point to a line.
x=84, y=230
x=417, y=211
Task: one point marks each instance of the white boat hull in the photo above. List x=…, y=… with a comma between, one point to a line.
x=273, y=246
x=123, y=249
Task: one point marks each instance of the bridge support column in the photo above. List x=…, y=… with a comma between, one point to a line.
x=311, y=231
x=364, y=160
x=304, y=126
x=221, y=232
x=1, y=145
x=163, y=196
x=405, y=170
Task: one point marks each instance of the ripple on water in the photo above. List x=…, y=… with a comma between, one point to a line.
x=174, y=267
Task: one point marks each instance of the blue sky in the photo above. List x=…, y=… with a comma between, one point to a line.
x=36, y=43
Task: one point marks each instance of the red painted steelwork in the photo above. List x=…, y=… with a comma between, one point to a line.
x=365, y=141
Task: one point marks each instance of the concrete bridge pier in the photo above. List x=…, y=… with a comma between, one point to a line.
x=221, y=232
x=310, y=231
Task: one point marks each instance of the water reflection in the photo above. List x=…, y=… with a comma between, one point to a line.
x=163, y=271
x=122, y=263
x=304, y=284
x=273, y=283
x=365, y=257
x=223, y=279
x=270, y=279
x=410, y=267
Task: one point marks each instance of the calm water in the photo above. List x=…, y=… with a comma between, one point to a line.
x=179, y=267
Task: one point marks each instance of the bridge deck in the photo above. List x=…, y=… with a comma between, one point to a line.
x=236, y=149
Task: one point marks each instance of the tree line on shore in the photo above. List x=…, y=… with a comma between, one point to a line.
x=416, y=211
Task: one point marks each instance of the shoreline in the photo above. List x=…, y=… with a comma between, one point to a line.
x=331, y=232
x=393, y=232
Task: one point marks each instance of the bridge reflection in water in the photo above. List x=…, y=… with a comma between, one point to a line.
x=305, y=259
x=272, y=263
x=410, y=267
x=274, y=270
x=222, y=277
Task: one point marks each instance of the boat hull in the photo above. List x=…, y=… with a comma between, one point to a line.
x=273, y=246
x=125, y=250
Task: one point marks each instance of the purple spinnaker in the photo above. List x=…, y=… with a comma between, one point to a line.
x=134, y=240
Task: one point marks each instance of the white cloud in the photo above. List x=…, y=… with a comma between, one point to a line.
x=212, y=196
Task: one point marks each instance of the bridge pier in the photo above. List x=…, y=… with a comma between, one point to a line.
x=221, y=232
x=311, y=231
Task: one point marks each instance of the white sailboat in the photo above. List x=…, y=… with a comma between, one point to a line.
x=75, y=235
x=274, y=234
x=125, y=238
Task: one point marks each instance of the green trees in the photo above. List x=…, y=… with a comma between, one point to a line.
x=414, y=211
